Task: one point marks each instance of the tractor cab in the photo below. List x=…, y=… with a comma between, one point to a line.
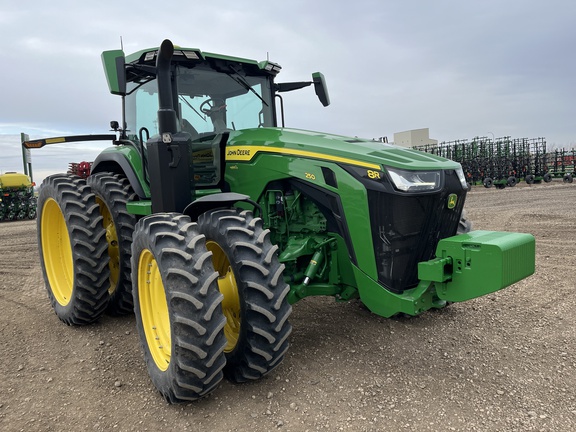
x=210, y=97
x=211, y=93
x=198, y=98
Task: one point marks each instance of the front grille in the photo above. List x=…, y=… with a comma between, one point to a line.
x=406, y=229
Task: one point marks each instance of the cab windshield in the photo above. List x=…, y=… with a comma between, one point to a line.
x=209, y=102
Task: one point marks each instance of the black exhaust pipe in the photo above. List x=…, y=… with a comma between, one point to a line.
x=169, y=166
x=167, y=119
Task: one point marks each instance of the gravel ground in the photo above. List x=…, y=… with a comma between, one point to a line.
x=504, y=362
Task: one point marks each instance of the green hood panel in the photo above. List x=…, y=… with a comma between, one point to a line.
x=246, y=144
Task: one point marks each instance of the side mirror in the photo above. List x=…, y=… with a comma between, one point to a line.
x=114, y=68
x=320, y=88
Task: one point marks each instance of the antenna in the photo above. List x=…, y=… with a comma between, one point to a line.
x=121, y=44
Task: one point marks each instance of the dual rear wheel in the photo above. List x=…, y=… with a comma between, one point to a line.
x=84, y=237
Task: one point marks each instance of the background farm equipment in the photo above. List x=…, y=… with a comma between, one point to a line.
x=17, y=200
x=81, y=169
x=505, y=161
x=562, y=164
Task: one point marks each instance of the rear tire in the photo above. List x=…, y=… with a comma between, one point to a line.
x=73, y=249
x=488, y=182
x=255, y=294
x=112, y=193
x=177, y=307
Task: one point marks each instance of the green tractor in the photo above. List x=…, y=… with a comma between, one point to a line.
x=17, y=199
x=208, y=219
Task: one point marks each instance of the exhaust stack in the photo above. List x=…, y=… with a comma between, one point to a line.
x=167, y=119
x=169, y=166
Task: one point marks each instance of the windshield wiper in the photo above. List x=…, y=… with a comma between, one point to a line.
x=242, y=81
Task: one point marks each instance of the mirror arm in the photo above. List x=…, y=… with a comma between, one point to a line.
x=290, y=86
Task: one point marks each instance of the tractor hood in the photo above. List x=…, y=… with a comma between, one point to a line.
x=245, y=145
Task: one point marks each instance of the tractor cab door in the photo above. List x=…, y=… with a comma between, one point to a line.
x=142, y=124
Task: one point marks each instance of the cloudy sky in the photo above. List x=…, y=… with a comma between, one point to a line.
x=462, y=68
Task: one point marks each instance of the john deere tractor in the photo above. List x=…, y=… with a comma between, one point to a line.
x=209, y=219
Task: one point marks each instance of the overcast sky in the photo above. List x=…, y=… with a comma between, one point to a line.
x=462, y=68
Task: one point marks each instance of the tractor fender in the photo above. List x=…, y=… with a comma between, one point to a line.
x=214, y=201
x=118, y=164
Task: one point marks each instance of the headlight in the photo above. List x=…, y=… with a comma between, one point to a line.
x=462, y=178
x=415, y=181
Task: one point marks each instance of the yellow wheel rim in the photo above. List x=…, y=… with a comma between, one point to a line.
x=154, y=310
x=229, y=289
x=57, y=252
x=113, y=250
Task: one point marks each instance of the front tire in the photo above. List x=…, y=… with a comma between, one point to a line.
x=72, y=245
x=255, y=295
x=177, y=307
x=112, y=193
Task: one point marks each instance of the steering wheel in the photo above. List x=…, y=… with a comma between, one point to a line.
x=207, y=106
